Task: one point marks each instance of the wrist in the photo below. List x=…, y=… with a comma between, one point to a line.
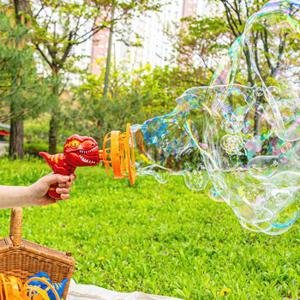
x=28, y=195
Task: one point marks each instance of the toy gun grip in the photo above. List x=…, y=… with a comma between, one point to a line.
x=52, y=192
x=50, y=160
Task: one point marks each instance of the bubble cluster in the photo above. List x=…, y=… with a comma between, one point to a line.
x=165, y=144
x=242, y=132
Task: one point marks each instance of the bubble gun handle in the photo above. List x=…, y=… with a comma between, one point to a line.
x=54, y=161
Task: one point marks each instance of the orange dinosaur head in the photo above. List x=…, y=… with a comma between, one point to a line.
x=81, y=151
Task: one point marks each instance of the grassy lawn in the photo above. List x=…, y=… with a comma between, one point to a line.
x=161, y=239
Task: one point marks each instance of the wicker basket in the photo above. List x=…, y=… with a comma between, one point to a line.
x=22, y=258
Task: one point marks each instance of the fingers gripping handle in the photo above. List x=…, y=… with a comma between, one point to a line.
x=52, y=192
x=58, y=165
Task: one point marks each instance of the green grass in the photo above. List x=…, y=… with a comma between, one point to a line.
x=161, y=239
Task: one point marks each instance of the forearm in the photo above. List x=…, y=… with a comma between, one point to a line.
x=37, y=193
x=14, y=196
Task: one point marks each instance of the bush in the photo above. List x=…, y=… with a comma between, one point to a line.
x=33, y=149
x=36, y=130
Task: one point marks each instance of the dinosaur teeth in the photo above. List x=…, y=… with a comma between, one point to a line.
x=85, y=160
x=85, y=151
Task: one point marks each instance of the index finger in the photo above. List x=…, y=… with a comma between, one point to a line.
x=72, y=177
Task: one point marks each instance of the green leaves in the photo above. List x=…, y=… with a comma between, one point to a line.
x=200, y=43
x=134, y=96
x=20, y=85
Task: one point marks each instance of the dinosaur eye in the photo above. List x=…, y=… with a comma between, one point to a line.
x=75, y=143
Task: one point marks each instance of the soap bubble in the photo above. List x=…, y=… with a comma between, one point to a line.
x=164, y=145
x=253, y=161
x=242, y=132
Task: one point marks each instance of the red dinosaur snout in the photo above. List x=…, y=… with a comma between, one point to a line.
x=81, y=151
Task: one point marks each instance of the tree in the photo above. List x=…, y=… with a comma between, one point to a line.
x=17, y=125
x=133, y=97
x=60, y=26
x=20, y=89
x=267, y=44
x=100, y=113
x=203, y=39
x=200, y=43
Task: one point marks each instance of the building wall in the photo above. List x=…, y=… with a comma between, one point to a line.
x=156, y=46
x=99, y=50
x=189, y=8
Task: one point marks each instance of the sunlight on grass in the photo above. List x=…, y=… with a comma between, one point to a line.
x=157, y=238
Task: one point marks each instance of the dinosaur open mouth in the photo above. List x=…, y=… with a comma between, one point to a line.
x=87, y=161
x=87, y=151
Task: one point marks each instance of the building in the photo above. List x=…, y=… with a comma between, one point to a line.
x=99, y=49
x=190, y=8
x=154, y=30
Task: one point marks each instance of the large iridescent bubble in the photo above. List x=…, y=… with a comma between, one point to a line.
x=243, y=130
x=255, y=167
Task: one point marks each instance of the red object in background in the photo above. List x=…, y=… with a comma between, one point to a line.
x=4, y=132
x=79, y=151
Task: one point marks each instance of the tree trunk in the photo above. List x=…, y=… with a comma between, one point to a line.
x=99, y=134
x=256, y=119
x=108, y=57
x=22, y=6
x=257, y=113
x=53, y=132
x=55, y=117
x=16, y=139
x=249, y=67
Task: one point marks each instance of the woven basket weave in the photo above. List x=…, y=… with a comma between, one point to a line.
x=22, y=258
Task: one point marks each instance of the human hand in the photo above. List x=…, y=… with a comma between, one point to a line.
x=39, y=190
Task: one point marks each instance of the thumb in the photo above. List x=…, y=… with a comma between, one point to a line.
x=55, y=178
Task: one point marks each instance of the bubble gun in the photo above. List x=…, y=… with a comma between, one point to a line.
x=117, y=155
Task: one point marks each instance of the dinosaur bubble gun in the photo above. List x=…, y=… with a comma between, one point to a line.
x=117, y=155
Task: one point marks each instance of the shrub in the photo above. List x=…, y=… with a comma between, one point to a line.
x=33, y=149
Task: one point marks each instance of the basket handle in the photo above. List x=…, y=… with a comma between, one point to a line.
x=16, y=226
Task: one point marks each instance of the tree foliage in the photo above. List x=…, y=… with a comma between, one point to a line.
x=23, y=93
x=60, y=26
x=134, y=96
x=201, y=42
x=56, y=30
x=20, y=84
